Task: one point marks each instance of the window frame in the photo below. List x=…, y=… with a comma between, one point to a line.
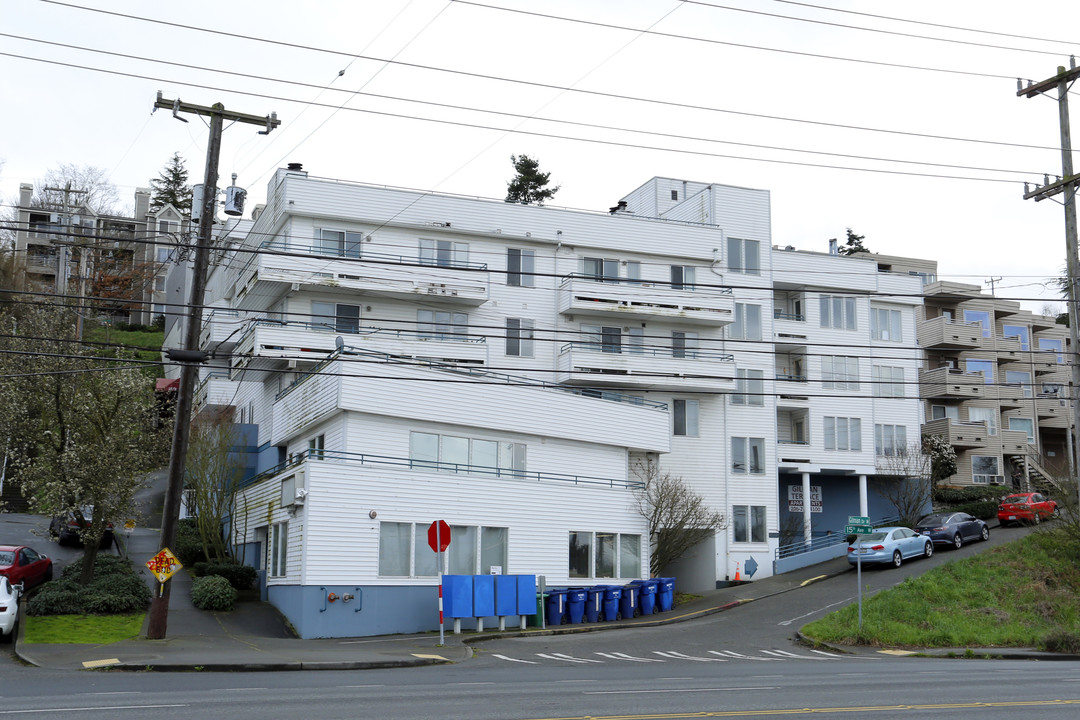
x=743, y=322
x=889, y=440
x=988, y=478
x=519, y=337
x=744, y=256
x=829, y=306
x=751, y=452
x=584, y=547
x=686, y=416
x=749, y=388
x=894, y=324
x=749, y=524
x=279, y=550
x=520, y=267
x=837, y=427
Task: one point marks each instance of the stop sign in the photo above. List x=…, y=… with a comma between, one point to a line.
x=438, y=535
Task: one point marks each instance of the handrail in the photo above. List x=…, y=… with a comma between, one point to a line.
x=637, y=282
x=639, y=350
x=831, y=538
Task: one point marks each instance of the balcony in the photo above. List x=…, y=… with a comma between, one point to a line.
x=963, y=435
x=1053, y=412
x=946, y=334
x=950, y=384
x=1047, y=362
x=221, y=329
x=215, y=392
x=1015, y=442
x=1012, y=395
x=1008, y=350
x=646, y=301
x=585, y=363
x=266, y=276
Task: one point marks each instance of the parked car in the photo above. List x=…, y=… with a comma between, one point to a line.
x=1025, y=507
x=66, y=529
x=9, y=609
x=20, y=564
x=889, y=545
x=955, y=528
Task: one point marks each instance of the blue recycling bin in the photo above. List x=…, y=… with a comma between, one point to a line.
x=575, y=604
x=555, y=605
x=665, y=594
x=594, y=603
x=612, y=596
x=646, y=595
x=628, y=603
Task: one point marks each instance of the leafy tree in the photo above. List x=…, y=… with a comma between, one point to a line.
x=171, y=187
x=81, y=428
x=853, y=245
x=529, y=184
x=679, y=519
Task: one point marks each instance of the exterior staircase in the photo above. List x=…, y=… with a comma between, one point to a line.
x=11, y=500
x=1039, y=479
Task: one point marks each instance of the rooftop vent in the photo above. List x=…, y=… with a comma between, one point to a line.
x=297, y=167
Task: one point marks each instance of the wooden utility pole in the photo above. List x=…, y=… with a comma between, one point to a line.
x=189, y=375
x=1067, y=185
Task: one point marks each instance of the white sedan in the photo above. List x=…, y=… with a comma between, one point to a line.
x=9, y=609
x=890, y=545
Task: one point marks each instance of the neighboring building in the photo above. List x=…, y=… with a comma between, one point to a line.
x=408, y=357
x=77, y=251
x=995, y=383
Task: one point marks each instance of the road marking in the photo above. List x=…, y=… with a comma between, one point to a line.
x=527, y=662
x=827, y=654
x=117, y=692
x=901, y=653
x=101, y=663
x=814, y=612
x=682, y=656
x=80, y=709
x=739, y=656
x=796, y=656
x=430, y=657
x=685, y=690
x=624, y=656
x=564, y=656
x=804, y=583
x=564, y=659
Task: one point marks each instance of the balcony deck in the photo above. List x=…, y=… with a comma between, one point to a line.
x=951, y=383
x=646, y=300
x=583, y=363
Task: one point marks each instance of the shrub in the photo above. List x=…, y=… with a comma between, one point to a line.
x=212, y=592
x=952, y=496
x=189, y=547
x=239, y=576
x=983, y=509
x=115, y=589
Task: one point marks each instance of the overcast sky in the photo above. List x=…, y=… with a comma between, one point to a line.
x=639, y=88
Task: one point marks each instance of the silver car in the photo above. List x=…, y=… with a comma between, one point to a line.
x=890, y=545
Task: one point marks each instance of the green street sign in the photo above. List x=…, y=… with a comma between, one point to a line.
x=857, y=529
x=858, y=520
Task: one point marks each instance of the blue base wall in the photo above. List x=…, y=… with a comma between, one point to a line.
x=839, y=499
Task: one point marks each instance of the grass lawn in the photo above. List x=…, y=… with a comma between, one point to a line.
x=82, y=629
x=1023, y=594
x=129, y=338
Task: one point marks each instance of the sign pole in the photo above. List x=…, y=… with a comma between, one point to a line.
x=858, y=574
x=438, y=556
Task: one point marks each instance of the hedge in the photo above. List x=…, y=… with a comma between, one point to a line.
x=115, y=589
x=212, y=592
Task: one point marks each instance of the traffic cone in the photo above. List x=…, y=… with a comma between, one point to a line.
x=736, y=572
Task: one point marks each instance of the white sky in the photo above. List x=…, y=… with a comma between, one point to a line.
x=975, y=229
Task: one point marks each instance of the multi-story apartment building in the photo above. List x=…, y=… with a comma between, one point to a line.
x=995, y=382
x=77, y=251
x=406, y=357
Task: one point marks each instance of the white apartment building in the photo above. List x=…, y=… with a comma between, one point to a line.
x=408, y=357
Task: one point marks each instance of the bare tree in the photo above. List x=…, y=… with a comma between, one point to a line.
x=213, y=474
x=96, y=191
x=679, y=519
x=905, y=479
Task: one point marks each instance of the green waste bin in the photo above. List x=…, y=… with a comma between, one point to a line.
x=537, y=619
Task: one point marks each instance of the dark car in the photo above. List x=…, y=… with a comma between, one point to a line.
x=21, y=564
x=66, y=529
x=952, y=528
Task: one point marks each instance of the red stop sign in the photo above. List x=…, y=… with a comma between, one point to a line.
x=438, y=535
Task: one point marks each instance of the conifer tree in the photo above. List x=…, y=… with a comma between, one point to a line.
x=529, y=184
x=170, y=187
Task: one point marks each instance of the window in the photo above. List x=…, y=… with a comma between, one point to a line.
x=602, y=338
x=520, y=266
x=442, y=325
x=470, y=545
x=682, y=277
x=684, y=344
x=744, y=256
x=843, y=433
x=839, y=372
x=633, y=272
x=987, y=415
x=748, y=455
x=602, y=269
x=885, y=324
x=599, y=554
x=160, y=310
x=165, y=227
x=451, y=453
x=635, y=341
x=461, y=555
x=937, y=412
x=685, y=415
x=159, y=283
x=747, y=325
x=494, y=546
x=980, y=317
x=1052, y=389
x=316, y=447
x=890, y=439
x=288, y=491
x=519, y=337
x=837, y=312
x=1053, y=345
x=340, y=243
x=1020, y=332
x=749, y=388
x=986, y=367
x=888, y=381
x=1026, y=425
x=444, y=253
x=674, y=194
x=279, y=542
x=985, y=469
x=748, y=523
x=335, y=317
x=163, y=254
x=1023, y=379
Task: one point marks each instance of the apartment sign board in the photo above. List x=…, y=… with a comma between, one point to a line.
x=795, y=498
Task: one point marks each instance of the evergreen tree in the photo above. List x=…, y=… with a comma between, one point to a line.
x=854, y=244
x=170, y=187
x=529, y=185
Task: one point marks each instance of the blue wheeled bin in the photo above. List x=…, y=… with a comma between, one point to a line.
x=628, y=604
x=575, y=604
x=594, y=603
x=665, y=593
x=612, y=596
x=555, y=607
x=646, y=596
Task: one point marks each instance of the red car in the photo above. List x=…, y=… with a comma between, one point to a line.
x=1025, y=507
x=24, y=565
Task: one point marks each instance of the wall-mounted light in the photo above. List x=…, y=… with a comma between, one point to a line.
x=373, y=514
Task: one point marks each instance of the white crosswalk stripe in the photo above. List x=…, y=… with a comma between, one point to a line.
x=680, y=656
x=564, y=659
x=503, y=657
x=784, y=654
x=564, y=656
x=826, y=654
x=624, y=656
x=739, y=656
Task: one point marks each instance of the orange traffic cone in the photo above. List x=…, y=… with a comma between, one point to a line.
x=736, y=572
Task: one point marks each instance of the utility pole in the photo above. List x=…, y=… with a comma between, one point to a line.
x=991, y=282
x=1067, y=185
x=65, y=220
x=191, y=355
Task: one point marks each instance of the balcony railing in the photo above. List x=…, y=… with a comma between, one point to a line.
x=437, y=466
x=600, y=346
x=781, y=315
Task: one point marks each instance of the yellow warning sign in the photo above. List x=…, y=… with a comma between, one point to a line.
x=164, y=565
